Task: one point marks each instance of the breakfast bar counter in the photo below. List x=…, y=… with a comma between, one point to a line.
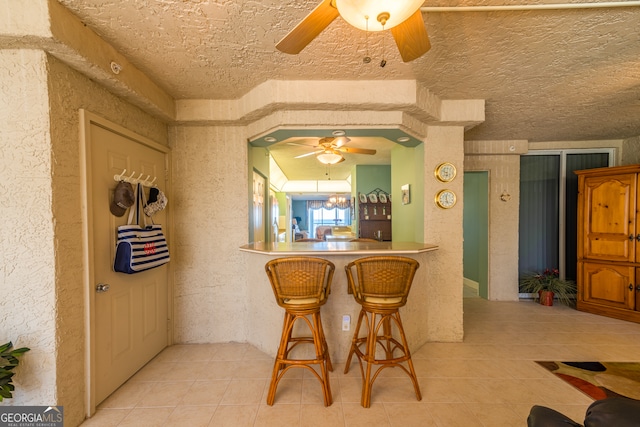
x=264, y=316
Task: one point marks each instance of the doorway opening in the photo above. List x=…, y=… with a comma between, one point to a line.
x=476, y=234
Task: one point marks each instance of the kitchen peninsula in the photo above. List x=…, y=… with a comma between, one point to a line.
x=265, y=316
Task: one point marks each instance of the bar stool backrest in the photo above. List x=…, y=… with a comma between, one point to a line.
x=382, y=279
x=300, y=281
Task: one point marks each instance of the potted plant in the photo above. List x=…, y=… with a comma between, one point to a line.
x=548, y=285
x=8, y=361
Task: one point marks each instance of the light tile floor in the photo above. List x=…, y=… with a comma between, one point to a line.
x=489, y=380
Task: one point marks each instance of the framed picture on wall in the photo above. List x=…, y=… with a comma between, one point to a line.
x=406, y=194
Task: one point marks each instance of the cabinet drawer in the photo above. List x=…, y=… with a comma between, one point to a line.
x=607, y=285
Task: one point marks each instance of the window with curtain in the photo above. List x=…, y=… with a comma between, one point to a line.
x=322, y=212
x=548, y=208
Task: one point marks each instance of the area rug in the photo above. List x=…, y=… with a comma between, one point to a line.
x=599, y=380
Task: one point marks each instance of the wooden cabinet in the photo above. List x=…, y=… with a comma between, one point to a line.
x=375, y=218
x=609, y=242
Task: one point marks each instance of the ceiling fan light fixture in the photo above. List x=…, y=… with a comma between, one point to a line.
x=329, y=157
x=388, y=13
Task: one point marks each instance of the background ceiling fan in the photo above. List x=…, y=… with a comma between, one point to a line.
x=402, y=17
x=330, y=149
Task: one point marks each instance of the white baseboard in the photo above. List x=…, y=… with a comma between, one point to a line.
x=471, y=283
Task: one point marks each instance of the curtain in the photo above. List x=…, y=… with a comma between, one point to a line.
x=539, y=197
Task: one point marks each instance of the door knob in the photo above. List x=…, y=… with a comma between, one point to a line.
x=637, y=288
x=102, y=287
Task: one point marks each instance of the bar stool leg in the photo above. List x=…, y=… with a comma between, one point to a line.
x=322, y=357
x=369, y=358
x=407, y=352
x=278, y=365
x=354, y=341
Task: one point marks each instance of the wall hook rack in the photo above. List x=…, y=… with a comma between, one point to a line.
x=133, y=181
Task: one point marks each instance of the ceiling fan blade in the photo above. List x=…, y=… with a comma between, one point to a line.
x=341, y=140
x=306, y=154
x=354, y=150
x=411, y=37
x=308, y=29
x=298, y=144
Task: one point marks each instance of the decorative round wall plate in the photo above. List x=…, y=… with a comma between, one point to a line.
x=382, y=197
x=445, y=172
x=445, y=199
x=373, y=198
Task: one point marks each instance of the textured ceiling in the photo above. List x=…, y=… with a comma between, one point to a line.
x=546, y=75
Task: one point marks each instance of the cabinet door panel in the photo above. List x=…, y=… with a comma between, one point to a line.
x=608, y=285
x=609, y=217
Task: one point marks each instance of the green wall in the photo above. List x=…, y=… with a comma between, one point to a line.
x=407, y=166
x=475, y=229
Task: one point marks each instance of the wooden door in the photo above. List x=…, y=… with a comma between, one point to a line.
x=608, y=285
x=609, y=217
x=130, y=318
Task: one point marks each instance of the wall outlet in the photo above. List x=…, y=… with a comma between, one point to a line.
x=346, y=322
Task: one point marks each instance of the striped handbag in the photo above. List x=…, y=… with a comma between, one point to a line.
x=140, y=248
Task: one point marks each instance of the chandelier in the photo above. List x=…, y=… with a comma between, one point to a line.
x=335, y=199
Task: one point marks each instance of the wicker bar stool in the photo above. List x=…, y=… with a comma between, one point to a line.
x=381, y=285
x=301, y=286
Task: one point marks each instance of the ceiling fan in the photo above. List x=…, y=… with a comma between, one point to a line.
x=330, y=150
x=402, y=17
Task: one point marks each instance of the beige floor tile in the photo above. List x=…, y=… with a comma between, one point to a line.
x=317, y=415
x=312, y=392
x=106, y=418
x=128, y=395
x=278, y=415
x=489, y=380
x=205, y=393
x=439, y=390
x=453, y=415
x=230, y=351
x=166, y=393
x=288, y=391
x=350, y=389
x=148, y=417
x=409, y=415
x=357, y=416
x=192, y=416
x=496, y=415
x=255, y=368
x=234, y=416
x=220, y=370
x=244, y=392
x=394, y=390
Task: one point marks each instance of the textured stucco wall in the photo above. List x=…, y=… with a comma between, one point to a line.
x=27, y=253
x=443, y=227
x=630, y=153
x=40, y=241
x=503, y=164
x=70, y=91
x=211, y=216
